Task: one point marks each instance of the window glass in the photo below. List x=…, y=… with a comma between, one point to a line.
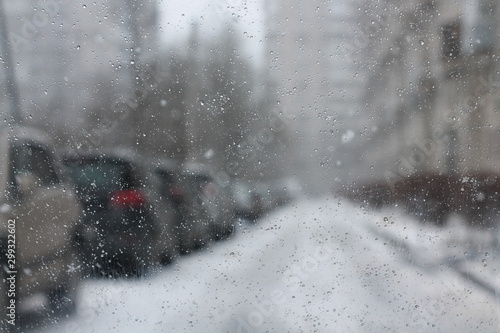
x=451, y=40
x=35, y=160
x=101, y=175
x=255, y=165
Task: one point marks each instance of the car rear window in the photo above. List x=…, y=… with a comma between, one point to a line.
x=102, y=175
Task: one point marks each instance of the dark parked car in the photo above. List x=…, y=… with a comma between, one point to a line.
x=253, y=199
x=204, y=209
x=183, y=189
x=190, y=226
x=213, y=199
x=38, y=216
x=125, y=226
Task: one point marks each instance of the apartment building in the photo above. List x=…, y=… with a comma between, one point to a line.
x=73, y=60
x=432, y=87
x=318, y=85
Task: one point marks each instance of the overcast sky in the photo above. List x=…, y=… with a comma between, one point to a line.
x=177, y=19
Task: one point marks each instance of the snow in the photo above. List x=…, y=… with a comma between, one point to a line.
x=320, y=265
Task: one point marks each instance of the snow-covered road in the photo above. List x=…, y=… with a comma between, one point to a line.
x=317, y=266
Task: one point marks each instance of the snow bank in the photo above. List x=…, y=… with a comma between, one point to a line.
x=318, y=266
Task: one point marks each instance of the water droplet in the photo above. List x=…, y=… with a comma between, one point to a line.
x=202, y=102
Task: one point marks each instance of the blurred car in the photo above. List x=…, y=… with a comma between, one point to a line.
x=249, y=200
x=189, y=222
x=241, y=193
x=286, y=190
x=209, y=201
x=39, y=212
x=271, y=194
x=217, y=196
x=126, y=226
x=264, y=199
x=193, y=225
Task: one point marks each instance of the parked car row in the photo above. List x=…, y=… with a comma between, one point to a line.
x=253, y=200
x=203, y=208
x=125, y=224
x=137, y=214
x=66, y=216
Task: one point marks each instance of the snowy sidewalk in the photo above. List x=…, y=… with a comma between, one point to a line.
x=317, y=266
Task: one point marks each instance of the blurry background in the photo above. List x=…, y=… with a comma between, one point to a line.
x=327, y=91
x=391, y=103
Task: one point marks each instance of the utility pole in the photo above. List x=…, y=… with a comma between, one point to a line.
x=192, y=98
x=131, y=11
x=12, y=91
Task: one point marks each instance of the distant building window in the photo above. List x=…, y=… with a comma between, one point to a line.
x=483, y=30
x=451, y=40
x=486, y=7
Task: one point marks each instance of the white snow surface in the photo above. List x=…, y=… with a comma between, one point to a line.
x=319, y=265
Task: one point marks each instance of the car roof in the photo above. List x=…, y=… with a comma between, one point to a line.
x=166, y=164
x=196, y=169
x=26, y=133
x=122, y=154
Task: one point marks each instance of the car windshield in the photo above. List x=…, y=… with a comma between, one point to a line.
x=250, y=166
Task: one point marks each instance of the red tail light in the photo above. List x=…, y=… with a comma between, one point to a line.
x=176, y=192
x=128, y=198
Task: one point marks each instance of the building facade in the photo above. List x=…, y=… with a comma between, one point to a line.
x=74, y=60
x=318, y=86
x=432, y=87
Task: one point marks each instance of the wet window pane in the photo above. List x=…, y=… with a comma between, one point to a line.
x=249, y=166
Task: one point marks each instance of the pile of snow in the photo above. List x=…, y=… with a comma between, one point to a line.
x=317, y=266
